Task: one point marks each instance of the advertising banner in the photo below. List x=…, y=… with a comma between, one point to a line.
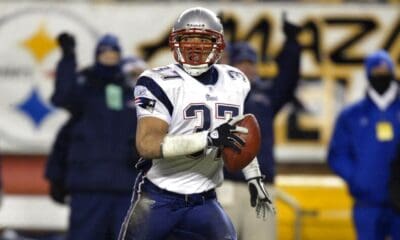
x=334, y=38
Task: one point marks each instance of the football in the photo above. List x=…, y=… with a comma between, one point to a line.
x=235, y=161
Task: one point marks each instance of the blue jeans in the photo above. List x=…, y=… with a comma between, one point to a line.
x=157, y=214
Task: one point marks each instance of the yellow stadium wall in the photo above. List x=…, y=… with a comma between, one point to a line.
x=326, y=207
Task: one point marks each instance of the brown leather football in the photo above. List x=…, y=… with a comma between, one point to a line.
x=235, y=161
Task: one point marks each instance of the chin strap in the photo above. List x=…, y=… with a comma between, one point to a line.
x=195, y=70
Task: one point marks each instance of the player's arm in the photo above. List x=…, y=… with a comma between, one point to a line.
x=152, y=140
x=259, y=197
x=150, y=133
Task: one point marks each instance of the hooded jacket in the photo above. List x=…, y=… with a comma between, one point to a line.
x=97, y=152
x=362, y=147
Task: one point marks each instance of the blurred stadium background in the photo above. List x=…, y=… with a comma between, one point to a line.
x=337, y=34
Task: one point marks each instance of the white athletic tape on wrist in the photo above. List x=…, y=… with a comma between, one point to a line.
x=252, y=170
x=181, y=145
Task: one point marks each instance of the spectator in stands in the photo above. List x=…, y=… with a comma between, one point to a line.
x=363, y=146
x=93, y=157
x=265, y=99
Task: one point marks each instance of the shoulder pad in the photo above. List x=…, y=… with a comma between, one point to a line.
x=163, y=73
x=235, y=73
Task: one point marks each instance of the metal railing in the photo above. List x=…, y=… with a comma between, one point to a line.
x=299, y=213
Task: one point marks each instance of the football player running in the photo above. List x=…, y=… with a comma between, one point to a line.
x=186, y=113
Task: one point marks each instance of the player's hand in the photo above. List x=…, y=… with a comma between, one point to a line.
x=66, y=41
x=223, y=135
x=259, y=198
x=291, y=30
x=58, y=192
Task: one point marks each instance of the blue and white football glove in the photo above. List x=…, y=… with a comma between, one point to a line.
x=259, y=198
x=223, y=135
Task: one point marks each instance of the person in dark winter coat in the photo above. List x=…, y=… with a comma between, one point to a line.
x=92, y=163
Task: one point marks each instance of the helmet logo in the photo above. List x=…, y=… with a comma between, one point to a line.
x=195, y=25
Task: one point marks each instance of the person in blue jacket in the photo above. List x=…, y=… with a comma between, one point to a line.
x=92, y=163
x=363, y=145
x=265, y=99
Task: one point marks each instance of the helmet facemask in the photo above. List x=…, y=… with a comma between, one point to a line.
x=196, y=56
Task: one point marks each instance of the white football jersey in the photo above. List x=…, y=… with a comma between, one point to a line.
x=188, y=106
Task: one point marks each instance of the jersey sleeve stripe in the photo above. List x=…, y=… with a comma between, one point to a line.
x=157, y=91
